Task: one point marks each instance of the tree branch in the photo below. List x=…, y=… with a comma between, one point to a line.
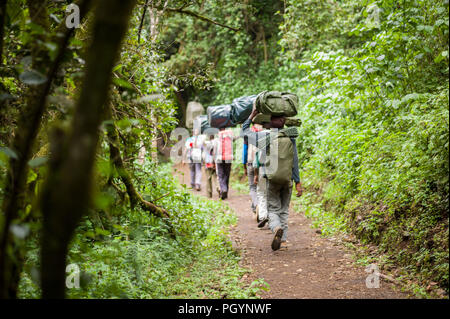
x=117, y=162
x=142, y=21
x=66, y=194
x=24, y=138
x=2, y=26
x=200, y=17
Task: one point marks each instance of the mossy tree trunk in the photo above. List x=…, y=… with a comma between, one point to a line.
x=117, y=162
x=11, y=255
x=2, y=27
x=66, y=195
x=24, y=136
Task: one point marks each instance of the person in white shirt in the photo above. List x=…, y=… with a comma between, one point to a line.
x=194, y=146
x=210, y=165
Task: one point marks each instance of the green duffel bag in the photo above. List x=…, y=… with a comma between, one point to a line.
x=277, y=103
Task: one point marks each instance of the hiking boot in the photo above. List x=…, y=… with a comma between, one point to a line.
x=262, y=223
x=224, y=195
x=276, y=242
x=198, y=188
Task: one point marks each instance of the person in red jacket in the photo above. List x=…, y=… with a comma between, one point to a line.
x=224, y=158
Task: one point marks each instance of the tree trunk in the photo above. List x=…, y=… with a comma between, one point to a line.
x=183, y=105
x=133, y=195
x=24, y=135
x=2, y=27
x=24, y=138
x=263, y=35
x=66, y=194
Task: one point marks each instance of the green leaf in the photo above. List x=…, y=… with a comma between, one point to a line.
x=52, y=48
x=6, y=97
x=32, y=77
x=9, y=152
x=20, y=231
x=32, y=176
x=441, y=56
x=117, y=67
x=100, y=231
x=409, y=97
x=38, y=161
x=123, y=83
x=426, y=28
x=55, y=18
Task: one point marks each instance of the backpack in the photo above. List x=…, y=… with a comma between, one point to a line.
x=226, y=145
x=277, y=103
x=281, y=151
x=195, y=152
x=196, y=155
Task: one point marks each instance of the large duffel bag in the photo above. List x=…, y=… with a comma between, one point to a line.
x=241, y=108
x=277, y=103
x=220, y=116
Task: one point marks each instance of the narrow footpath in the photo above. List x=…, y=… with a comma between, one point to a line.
x=309, y=266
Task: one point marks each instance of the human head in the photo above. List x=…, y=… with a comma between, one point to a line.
x=277, y=121
x=268, y=121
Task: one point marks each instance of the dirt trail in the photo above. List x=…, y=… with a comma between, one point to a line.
x=308, y=267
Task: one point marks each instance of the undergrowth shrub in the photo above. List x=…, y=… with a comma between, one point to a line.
x=124, y=253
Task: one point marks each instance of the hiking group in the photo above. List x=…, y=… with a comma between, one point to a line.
x=216, y=152
x=269, y=157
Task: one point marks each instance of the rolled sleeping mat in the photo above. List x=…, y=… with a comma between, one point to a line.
x=293, y=121
x=219, y=116
x=266, y=118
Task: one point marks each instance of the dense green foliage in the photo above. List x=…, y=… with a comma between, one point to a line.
x=122, y=251
x=376, y=139
x=373, y=80
x=127, y=253
x=372, y=77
